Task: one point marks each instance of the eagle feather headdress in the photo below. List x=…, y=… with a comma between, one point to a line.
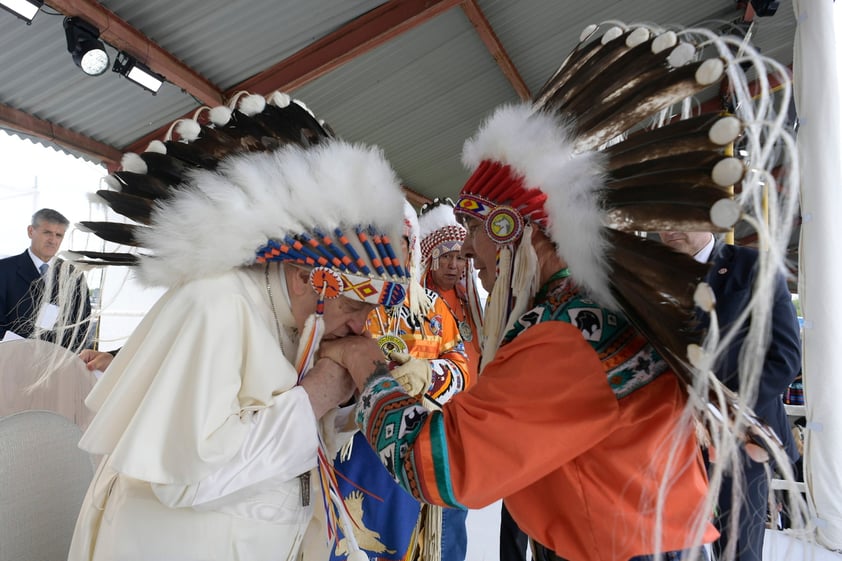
x=259, y=180
x=582, y=163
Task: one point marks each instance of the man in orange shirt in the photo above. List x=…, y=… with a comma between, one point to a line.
x=579, y=418
x=448, y=273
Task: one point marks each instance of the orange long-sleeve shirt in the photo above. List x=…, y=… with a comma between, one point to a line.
x=578, y=467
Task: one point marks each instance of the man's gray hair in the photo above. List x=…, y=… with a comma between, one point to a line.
x=49, y=215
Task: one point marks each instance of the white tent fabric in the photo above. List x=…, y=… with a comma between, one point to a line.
x=817, y=95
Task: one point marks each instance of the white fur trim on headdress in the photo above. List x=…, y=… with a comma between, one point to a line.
x=538, y=147
x=438, y=226
x=220, y=219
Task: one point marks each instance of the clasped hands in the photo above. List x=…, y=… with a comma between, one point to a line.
x=360, y=355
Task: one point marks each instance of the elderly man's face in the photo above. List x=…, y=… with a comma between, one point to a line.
x=451, y=268
x=342, y=316
x=479, y=247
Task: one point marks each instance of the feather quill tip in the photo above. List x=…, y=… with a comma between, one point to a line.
x=587, y=32
x=156, y=146
x=681, y=55
x=704, y=297
x=220, y=115
x=725, y=130
x=612, y=34
x=695, y=354
x=710, y=71
x=664, y=41
x=725, y=213
x=727, y=172
x=112, y=183
x=131, y=162
x=188, y=130
x=637, y=37
x=279, y=99
x=252, y=104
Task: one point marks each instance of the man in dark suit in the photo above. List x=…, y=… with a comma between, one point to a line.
x=23, y=278
x=731, y=277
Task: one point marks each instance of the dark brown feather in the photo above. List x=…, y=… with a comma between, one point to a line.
x=107, y=258
x=574, y=61
x=142, y=185
x=679, y=137
x=636, y=65
x=588, y=73
x=168, y=169
x=130, y=206
x=703, y=161
x=604, y=121
x=116, y=232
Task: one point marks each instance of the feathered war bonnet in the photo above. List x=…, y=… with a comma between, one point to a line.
x=580, y=163
x=440, y=233
x=256, y=181
x=253, y=182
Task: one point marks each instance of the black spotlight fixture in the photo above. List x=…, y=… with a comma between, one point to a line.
x=84, y=45
x=137, y=72
x=24, y=9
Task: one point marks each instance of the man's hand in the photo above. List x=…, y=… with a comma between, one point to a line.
x=96, y=360
x=358, y=354
x=327, y=385
x=414, y=374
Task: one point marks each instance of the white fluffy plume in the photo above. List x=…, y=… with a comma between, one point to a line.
x=223, y=217
x=538, y=147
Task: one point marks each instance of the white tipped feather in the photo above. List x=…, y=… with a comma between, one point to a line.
x=301, y=104
x=188, y=129
x=133, y=163
x=725, y=130
x=664, y=41
x=252, y=104
x=613, y=33
x=704, y=297
x=637, y=37
x=681, y=55
x=587, y=32
x=538, y=147
x=279, y=99
x=111, y=182
x=725, y=213
x=220, y=115
x=710, y=71
x=157, y=147
x=727, y=172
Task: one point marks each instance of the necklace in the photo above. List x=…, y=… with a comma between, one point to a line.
x=389, y=340
x=274, y=311
x=464, y=327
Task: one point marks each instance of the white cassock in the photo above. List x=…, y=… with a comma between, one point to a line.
x=205, y=434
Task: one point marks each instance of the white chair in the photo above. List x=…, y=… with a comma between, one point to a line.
x=43, y=478
x=22, y=363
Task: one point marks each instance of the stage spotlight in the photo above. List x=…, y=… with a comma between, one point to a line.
x=84, y=45
x=24, y=9
x=138, y=73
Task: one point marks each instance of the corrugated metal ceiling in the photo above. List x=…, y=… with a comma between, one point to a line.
x=419, y=95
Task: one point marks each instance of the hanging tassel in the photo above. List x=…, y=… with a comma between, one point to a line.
x=497, y=308
x=525, y=279
x=314, y=328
